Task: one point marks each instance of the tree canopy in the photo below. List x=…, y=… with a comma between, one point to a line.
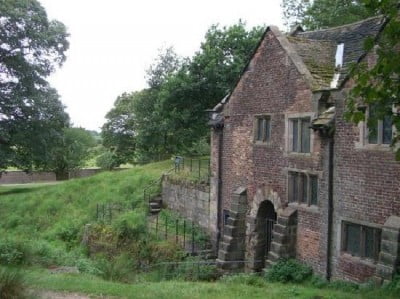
x=169, y=117
x=320, y=14
x=377, y=85
x=31, y=115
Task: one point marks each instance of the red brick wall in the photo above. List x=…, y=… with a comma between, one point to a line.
x=366, y=189
x=273, y=86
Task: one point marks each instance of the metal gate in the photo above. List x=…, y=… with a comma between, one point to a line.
x=269, y=235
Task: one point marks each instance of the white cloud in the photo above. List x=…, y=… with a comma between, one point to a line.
x=113, y=42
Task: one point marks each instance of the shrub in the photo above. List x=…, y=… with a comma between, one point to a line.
x=394, y=285
x=288, y=271
x=131, y=225
x=13, y=252
x=11, y=284
x=319, y=282
x=344, y=285
x=108, y=161
x=119, y=268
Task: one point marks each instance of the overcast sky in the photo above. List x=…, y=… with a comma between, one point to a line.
x=113, y=42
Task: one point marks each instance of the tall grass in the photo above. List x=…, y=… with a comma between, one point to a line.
x=12, y=285
x=44, y=225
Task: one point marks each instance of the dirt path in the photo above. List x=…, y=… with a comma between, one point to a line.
x=59, y=295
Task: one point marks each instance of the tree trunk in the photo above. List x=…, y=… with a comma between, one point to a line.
x=62, y=175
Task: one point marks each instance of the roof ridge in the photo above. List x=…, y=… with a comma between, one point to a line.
x=343, y=26
x=307, y=38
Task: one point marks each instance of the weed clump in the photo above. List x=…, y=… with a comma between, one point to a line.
x=288, y=271
x=11, y=284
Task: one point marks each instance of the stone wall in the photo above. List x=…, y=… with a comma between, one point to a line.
x=21, y=177
x=191, y=201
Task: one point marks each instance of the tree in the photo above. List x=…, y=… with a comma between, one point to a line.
x=31, y=115
x=118, y=132
x=70, y=152
x=378, y=85
x=323, y=13
x=166, y=64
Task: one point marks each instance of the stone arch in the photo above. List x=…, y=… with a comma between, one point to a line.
x=266, y=204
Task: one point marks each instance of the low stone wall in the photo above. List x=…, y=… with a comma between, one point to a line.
x=21, y=177
x=191, y=201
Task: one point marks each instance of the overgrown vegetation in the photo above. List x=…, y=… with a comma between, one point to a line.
x=45, y=225
x=12, y=284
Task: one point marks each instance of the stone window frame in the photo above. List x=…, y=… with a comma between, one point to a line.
x=289, y=117
x=268, y=118
x=377, y=232
x=363, y=142
x=308, y=174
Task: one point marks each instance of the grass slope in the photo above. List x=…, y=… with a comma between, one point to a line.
x=50, y=218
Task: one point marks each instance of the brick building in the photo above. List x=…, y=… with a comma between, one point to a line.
x=290, y=176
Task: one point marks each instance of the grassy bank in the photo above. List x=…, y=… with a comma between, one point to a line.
x=43, y=224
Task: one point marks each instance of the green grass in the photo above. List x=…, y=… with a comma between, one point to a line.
x=50, y=218
x=234, y=288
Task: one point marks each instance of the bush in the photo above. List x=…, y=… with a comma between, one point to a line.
x=13, y=252
x=344, y=285
x=108, y=161
x=11, y=284
x=288, y=271
x=130, y=226
x=394, y=285
x=119, y=268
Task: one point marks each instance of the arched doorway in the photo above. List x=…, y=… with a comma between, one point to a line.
x=265, y=220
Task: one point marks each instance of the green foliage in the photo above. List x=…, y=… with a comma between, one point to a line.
x=42, y=226
x=393, y=286
x=131, y=225
x=377, y=85
x=253, y=279
x=169, y=117
x=323, y=13
x=13, y=252
x=118, y=132
x=108, y=160
x=12, y=284
x=119, y=268
x=32, y=116
x=288, y=271
x=70, y=152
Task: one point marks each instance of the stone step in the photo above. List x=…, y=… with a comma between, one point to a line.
x=155, y=211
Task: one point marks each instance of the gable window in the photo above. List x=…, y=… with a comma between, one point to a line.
x=360, y=240
x=382, y=131
x=303, y=188
x=300, y=135
x=263, y=129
